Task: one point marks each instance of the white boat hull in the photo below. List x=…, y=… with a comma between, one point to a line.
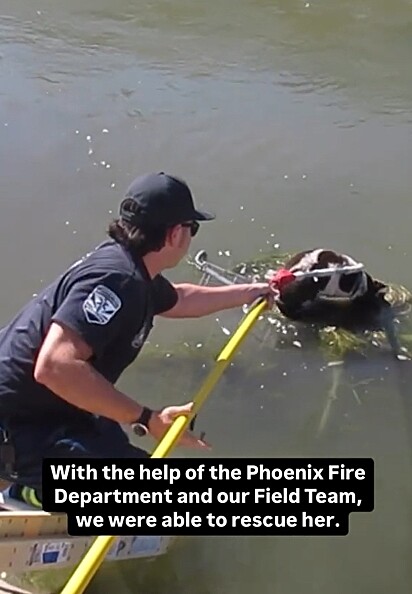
x=32, y=540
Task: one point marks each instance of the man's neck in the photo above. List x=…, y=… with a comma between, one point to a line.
x=153, y=264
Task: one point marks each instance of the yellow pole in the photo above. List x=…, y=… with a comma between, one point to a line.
x=94, y=557
x=180, y=423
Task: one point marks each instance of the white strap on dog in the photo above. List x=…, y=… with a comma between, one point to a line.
x=320, y=272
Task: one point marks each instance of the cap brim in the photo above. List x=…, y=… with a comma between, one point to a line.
x=200, y=215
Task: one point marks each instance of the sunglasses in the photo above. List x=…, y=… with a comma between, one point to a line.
x=193, y=226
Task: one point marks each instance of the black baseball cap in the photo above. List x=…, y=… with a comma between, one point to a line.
x=163, y=200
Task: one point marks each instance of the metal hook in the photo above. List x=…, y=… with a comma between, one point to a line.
x=200, y=259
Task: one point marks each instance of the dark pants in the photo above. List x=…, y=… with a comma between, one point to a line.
x=87, y=437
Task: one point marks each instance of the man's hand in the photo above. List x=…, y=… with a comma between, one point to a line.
x=161, y=421
x=256, y=290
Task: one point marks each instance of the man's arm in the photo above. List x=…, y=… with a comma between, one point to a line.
x=62, y=366
x=196, y=300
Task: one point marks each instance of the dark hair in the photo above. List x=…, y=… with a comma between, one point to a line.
x=137, y=239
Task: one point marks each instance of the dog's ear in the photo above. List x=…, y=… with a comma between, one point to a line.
x=295, y=294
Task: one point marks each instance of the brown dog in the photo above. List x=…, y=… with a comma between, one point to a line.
x=351, y=301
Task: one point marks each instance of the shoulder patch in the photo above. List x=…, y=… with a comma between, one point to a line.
x=101, y=305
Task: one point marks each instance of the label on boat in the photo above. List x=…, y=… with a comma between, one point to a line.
x=136, y=546
x=50, y=552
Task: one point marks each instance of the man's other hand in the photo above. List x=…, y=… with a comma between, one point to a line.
x=161, y=421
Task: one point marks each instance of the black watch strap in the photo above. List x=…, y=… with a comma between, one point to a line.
x=141, y=426
x=144, y=417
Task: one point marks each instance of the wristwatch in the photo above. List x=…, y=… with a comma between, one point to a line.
x=141, y=426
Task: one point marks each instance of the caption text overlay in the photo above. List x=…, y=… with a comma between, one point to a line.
x=235, y=496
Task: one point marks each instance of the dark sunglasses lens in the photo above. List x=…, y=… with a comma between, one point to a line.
x=194, y=228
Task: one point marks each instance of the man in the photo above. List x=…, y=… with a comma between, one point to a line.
x=63, y=352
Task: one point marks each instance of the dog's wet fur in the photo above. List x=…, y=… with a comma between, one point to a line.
x=300, y=300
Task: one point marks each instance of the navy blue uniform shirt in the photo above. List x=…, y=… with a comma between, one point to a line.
x=106, y=298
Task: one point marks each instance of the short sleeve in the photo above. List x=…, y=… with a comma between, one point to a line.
x=98, y=308
x=164, y=294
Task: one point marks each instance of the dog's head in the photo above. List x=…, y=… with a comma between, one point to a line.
x=329, y=299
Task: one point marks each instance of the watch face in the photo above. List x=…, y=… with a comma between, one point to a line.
x=139, y=429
